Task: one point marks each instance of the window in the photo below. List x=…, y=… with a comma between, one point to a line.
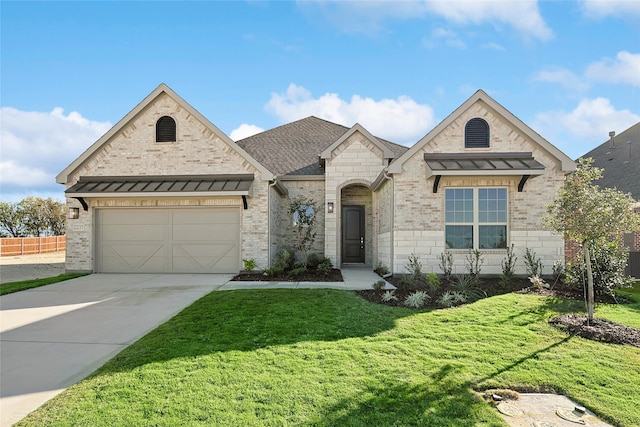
x=476, y=218
x=307, y=216
x=165, y=129
x=476, y=134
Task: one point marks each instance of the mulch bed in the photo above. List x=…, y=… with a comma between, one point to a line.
x=310, y=276
x=598, y=330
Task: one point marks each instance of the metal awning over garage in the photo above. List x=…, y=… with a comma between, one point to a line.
x=472, y=164
x=161, y=186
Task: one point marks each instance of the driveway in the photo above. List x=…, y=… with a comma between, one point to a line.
x=53, y=336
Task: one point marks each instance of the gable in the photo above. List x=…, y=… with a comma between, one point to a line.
x=507, y=134
x=130, y=147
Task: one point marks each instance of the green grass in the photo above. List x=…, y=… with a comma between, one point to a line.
x=328, y=358
x=8, y=288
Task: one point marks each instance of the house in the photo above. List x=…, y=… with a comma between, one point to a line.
x=166, y=191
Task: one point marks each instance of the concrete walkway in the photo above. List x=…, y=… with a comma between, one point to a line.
x=53, y=336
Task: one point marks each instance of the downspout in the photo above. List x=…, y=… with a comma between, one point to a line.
x=269, y=188
x=392, y=215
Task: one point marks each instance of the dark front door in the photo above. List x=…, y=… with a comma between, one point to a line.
x=353, y=234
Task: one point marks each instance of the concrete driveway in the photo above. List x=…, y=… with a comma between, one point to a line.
x=53, y=336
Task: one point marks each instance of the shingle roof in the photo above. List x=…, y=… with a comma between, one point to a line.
x=621, y=164
x=294, y=148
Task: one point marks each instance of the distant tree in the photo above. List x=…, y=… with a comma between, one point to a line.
x=592, y=216
x=11, y=220
x=32, y=216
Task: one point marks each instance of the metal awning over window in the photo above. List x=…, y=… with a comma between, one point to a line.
x=482, y=164
x=162, y=186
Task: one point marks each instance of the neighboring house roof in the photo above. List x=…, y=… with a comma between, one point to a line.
x=566, y=163
x=295, y=148
x=621, y=163
x=63, y=177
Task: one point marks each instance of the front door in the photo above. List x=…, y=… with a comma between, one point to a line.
x=353, y=234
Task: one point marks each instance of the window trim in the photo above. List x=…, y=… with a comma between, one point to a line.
x=476, y=224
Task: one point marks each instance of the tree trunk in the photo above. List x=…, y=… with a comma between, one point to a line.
x=590, y=298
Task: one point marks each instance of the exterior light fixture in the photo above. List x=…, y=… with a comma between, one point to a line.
x=74, y=213
x=330, y=207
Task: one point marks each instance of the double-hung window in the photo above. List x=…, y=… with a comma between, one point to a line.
x=476, y=218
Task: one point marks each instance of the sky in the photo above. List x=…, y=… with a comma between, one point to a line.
x=71, y=70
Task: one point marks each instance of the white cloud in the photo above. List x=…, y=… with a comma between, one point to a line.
x=244, y=130
x=617, y=8
x=369, y=16
x=400, y=120
x=443, y=36
x=588, y=125
x=624, y=69
x=36, y=146
x=563, y=77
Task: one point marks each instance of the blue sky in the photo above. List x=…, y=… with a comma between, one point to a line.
x=70, y=70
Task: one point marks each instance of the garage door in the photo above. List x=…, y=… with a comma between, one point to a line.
x=181, y=240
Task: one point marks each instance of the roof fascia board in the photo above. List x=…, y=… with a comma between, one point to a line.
x=566, y=163
x=386, y=153
x=380, y=179
x=62, y=177
x=301, y=178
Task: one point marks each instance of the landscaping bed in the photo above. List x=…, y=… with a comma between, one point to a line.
x=334, y=275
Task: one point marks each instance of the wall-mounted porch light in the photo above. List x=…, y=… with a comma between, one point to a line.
x=330, y=207
x=74, y=213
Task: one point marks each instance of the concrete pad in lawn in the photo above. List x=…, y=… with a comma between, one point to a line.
x=55, y=335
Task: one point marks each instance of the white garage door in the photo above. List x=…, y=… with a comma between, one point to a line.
x=180, y=240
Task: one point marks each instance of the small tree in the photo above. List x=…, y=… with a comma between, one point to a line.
x=11, y=220
x=584, y=212
x=303, y=212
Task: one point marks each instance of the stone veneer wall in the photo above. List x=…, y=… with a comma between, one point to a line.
x=356, y=161
x=311, y=189
x=383, y=202
x=198, y=150
x=419, y=213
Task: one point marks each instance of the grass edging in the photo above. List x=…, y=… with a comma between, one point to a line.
x=11, y=287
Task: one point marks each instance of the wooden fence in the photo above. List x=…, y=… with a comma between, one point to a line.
x=32, y=245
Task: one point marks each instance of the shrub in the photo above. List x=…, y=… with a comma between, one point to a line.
x=558, y=272
x=433, y=281
x=446, y=264
x=298, y=271
x=451, y=298
x=407, y=283
x=467, y=286
x=416, y=300
x=509, y=264
x=249, y=264
x=532, y=263
x=325, y=266
x=414, y=267
x=284, y=260
x=313, y=260
x=608, y=266
x=273, y=272
x=473, y=262
x=538, y=282
x=379, y=285
x=381, y=269
x=389, y=296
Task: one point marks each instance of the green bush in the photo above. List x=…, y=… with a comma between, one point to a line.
x=466, y=285
x=249, y=264
x=313, y=260
x=381, y=269
x=416, y=300
x=298, y=271
x=608, y=264
x=379, y=285
x=451, y=298
x=407, y=283
x=446, y=264
x=273, y=272
x=284, y=260
x=389, y=296
x=325, y=266
x=533, y=263
x=433, y=281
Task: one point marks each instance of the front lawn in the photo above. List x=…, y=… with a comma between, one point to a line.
x=8, y=288
x=329, y=358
